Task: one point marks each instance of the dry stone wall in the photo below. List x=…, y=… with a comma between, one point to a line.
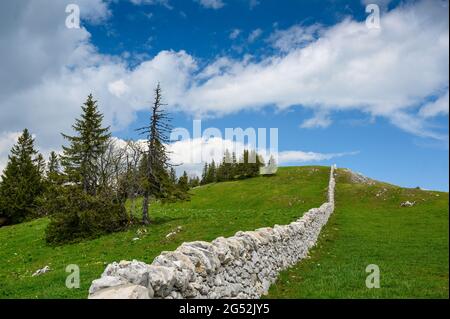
x=241, y=266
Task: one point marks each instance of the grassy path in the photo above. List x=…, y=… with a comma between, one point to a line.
x=410, y=246
x=214, y=210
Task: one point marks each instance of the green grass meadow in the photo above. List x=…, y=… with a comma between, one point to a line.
x=410, y=245
x=214, y=210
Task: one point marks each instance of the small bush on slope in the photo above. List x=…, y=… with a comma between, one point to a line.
x=77, y=215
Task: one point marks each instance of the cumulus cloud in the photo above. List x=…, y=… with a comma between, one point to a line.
x=118, y=88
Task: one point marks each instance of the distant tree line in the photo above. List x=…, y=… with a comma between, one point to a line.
x=231, y=168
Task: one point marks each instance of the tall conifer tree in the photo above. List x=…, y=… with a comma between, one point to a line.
x=80, y=158
x=21, y=181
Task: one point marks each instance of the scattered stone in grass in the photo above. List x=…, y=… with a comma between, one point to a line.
x=41, y=271
x=407, y=204
x=141, y=231
x=381, y=192
x=173, y=233
x=359, y=178
x=136, y=238
x=170, y=234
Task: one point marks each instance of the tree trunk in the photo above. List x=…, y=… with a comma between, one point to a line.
x=145, y=219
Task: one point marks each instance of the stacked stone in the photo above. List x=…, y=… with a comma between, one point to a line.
x=241, y=266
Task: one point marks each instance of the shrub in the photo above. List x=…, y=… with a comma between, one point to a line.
x=76, y=215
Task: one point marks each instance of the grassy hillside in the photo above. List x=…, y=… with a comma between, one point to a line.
x=410, y=246
x=214, y=210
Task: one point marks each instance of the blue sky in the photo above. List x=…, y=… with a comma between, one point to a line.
x=312, y=69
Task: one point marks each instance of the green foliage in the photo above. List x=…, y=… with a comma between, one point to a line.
x=173, y=176
x=80, y=203
x=53, y=175
x=76, y=215
x=204, y=174
x=52, y=181
x=21, y=181
x=183, y=182
x=211, y=175
x=80, y=158
x=194, y=181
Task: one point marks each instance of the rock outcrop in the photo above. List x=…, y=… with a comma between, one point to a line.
x=241, y=266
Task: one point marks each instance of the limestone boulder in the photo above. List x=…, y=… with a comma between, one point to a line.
x=126, y=291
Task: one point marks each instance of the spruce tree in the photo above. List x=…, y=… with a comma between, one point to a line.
x=173, y=176
x=53, y=170
x=204, y=175
x=228, y=165
x=80, y=158
x=183, y=182
x=21, y=181
x=234, y=166
x=194, y=181
x=40, y=164
x=255, y=163
x=211, y=176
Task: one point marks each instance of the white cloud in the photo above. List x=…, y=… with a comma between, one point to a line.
x=234, y=34
x=319, y=120
x=211, y=4
x=294, y=37
x=165, y=3
x=304, y=157
x=94, y=11
x=118, y=88
x=385, y=72
x=255, y=34
x=7, y=140
x=382, y=3
x=438, y=107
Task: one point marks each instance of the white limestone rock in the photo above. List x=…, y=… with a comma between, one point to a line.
x=126, y=291
x=41, y=271
x=106, y=282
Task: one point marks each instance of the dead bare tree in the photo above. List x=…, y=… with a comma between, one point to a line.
x=156, y=159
